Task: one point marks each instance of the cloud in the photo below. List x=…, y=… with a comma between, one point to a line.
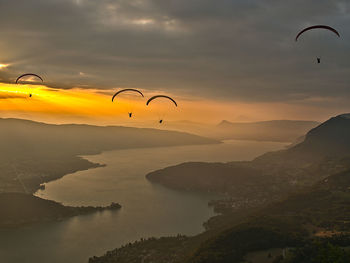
x=12, y=96
x=227, y=49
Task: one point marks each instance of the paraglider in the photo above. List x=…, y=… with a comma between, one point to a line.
x=127, y=90
x=161, y=96
x=317, y=27
x=29, y=74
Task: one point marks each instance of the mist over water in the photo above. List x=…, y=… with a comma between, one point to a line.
x=147, y=209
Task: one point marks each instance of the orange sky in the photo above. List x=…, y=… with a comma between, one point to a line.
x=95, y=107
x=242, y=67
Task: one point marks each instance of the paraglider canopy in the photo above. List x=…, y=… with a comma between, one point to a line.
x=317, y=27
x=161, y=96
x=29, y=74
x=129, y=105
x=125, y=90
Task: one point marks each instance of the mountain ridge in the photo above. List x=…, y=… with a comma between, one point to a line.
x=272, y=130
x=40, y=152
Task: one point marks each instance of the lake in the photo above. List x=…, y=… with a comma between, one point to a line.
x=147, y=209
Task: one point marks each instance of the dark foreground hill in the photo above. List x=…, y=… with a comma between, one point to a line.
x=321, y=211
x=32, y=153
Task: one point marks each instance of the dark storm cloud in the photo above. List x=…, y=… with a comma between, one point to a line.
x=237, y=49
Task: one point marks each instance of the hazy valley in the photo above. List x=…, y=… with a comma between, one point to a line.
x=256, y=195
x=34, y=153
x=290, y=198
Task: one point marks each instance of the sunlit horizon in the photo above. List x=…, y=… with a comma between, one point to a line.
x=94, y=106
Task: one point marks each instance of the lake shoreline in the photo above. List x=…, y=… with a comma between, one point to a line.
x=41, y=210
x=148, y=209
x=84, y=164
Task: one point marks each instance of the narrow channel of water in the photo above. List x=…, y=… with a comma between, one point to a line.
x=148, y=209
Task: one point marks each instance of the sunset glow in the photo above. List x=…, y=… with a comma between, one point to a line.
x=68, y=104
x=174, y=131
x=94, y=106
x=2, y=66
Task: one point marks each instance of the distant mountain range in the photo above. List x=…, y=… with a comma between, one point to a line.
x=29, y=137
x=274, y=130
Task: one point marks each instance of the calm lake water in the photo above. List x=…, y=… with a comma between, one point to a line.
x=148, y=209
